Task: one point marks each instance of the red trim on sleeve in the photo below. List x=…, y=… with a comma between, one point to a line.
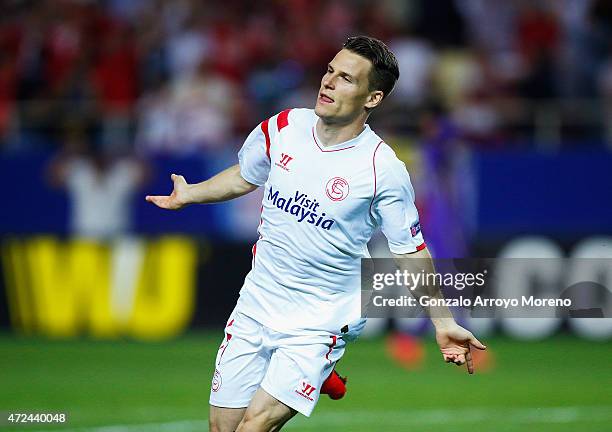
x=374, y=166
x=283, y=119
x=264, y=129
x=421, y=247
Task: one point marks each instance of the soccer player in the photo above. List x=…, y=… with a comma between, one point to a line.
x=329, y=182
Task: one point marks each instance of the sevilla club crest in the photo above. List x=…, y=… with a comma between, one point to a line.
x=337, y=189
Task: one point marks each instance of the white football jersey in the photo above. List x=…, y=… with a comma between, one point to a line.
x=321, y=205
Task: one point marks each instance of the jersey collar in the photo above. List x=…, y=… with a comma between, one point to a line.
x=340, y=146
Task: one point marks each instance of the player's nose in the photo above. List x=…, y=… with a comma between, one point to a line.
x=328, y=82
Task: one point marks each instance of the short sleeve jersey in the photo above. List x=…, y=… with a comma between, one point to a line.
x=320, y=208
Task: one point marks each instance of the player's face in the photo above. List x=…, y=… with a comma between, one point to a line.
x=344, y=92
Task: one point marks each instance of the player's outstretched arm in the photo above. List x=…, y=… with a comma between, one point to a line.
x=454, y=341
x=226, y=185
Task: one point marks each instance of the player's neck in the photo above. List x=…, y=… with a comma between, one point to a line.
x=332, y=134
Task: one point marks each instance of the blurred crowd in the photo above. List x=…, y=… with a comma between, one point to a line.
x=178, y=76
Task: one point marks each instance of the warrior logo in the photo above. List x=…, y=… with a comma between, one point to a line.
x=284, y=161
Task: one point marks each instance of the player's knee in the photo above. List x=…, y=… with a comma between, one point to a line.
x=260, y=421
x=212, y=426
x=217, y=424
x=224, y=419
x=252, y=423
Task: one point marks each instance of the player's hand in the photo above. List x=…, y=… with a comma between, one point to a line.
x=455, y=343
x=179, y=197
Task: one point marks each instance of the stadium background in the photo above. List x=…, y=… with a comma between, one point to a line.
x=111, y=309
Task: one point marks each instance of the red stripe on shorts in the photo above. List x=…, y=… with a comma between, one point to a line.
x=331, y=347
x=226, y=342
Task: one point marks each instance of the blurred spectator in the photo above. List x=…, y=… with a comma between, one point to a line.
x=115, y=82
x=447, y=195
x=456, y=73
x=416, y=59
x=491, y=23
x=538, y=43
x=100, y=188
x=186, y=48
x=574, y=48
x=478, y=118
x=188, y=75
x=191, y=114
x=8, y=80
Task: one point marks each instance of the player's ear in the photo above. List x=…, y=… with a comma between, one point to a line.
x=374, y=99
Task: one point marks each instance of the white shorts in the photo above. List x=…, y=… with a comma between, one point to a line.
x=288, y=367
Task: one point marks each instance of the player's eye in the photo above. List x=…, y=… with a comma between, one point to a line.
x=347, y=79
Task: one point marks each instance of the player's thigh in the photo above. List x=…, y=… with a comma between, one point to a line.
x=224, y=419
x=265, y=414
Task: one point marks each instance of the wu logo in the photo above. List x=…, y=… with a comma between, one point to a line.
x=284, y=161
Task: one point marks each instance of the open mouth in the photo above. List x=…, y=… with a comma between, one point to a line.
x=324, y=98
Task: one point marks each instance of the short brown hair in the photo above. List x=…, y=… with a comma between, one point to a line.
x=385, y=71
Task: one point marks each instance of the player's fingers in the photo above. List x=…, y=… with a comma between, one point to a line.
x=454, y=350
x=177, y=178
x=158, y=200
x=459, y=360
x=152, y=199
x=469, y=361
x=476, y=343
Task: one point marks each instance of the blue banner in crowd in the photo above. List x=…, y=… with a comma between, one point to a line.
x=563, y=194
